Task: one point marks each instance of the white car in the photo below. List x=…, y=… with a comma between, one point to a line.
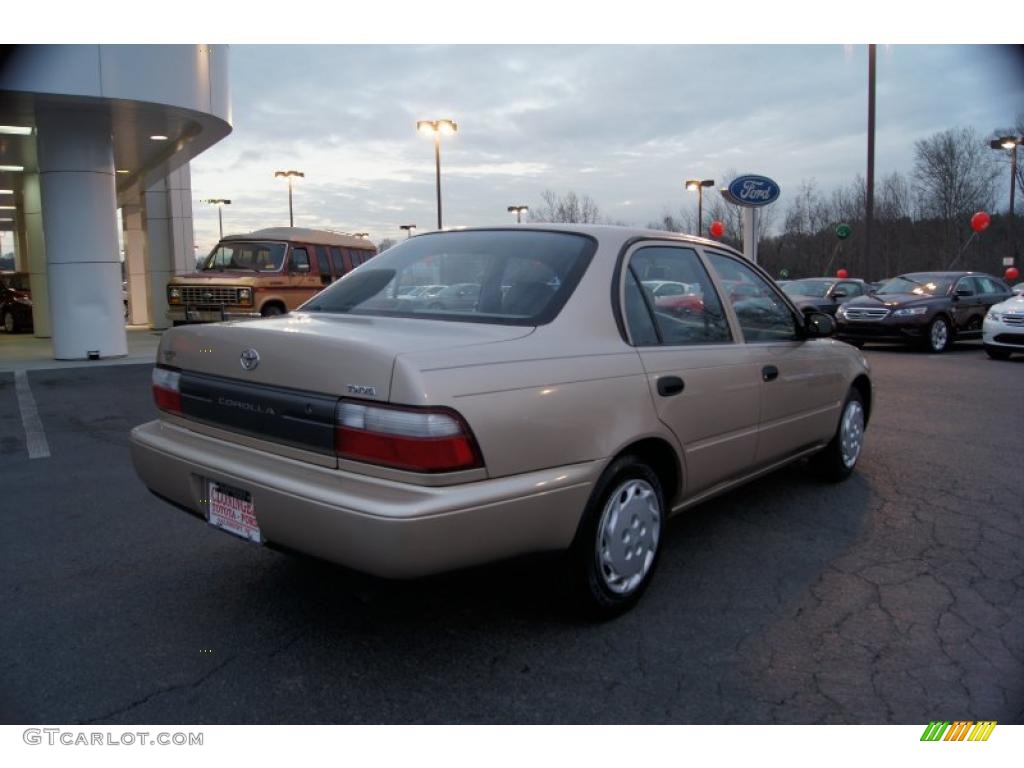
x=1003, y=331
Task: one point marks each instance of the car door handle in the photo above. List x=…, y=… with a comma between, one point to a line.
x=769, y=373
x=670, y=385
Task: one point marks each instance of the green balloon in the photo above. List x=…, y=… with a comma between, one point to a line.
x=783, y=273
x=843, y=231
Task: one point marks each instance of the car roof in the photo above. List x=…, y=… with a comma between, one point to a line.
x=939, y=273
x=305, y=235
x=598, y=231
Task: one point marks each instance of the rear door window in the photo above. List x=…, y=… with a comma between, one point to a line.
x=300, y=261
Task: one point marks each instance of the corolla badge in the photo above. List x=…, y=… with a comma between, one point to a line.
x=250, y=359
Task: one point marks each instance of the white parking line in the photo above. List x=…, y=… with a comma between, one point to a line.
x=35, y=436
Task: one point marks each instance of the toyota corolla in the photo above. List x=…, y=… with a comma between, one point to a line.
x=562, y=409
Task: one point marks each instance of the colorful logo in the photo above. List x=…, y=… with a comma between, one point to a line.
x=958, y=730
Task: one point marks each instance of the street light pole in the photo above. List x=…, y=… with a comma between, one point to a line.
x=290, y=175
x=698, y=185
x=220, y=203
x=518, y=211
x=408, y=229
x=437, y=127
x=869, y=203
x=1010, y=144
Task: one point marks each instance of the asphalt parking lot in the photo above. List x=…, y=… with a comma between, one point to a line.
x=896, y=597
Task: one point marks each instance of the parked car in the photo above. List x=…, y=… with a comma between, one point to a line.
x=1018, y=289
x=458, y=297
x=400, y=442
x=932, y=309
x=15, y=302
x=1003, y=331
x=675, y=298
x=824, y=294
x=263, y=273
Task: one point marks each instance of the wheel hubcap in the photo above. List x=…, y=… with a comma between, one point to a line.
x=9, y=322
x=627, y=536
x=851, y=433
x=939, y=334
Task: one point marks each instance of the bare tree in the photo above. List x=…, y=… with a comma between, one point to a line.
x=954, y=176
x=384, y=244
x=567, y=209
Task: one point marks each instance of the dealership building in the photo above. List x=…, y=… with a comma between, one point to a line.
x=86, y=130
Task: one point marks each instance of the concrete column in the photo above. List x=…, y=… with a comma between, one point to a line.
x=159, y=252
x=20, y=257
x=76, y=179
x=35, y=254
x=135, y=260
x=179, y=196
x=169, y=238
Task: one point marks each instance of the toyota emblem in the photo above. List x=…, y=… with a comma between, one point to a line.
x=250, y=359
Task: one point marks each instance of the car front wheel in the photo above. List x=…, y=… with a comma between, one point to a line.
x=616, y=548
x=939, y=335
x=997, y=353
x=10, y=325
x=836, y=460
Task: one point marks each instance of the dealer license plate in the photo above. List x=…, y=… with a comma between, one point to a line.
x=231, y=509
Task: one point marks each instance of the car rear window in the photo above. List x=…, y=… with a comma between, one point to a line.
x=509, y=277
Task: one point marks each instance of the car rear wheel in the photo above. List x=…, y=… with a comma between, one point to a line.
x=939, y=336
x=616, y=549
x=997, y=353
x=836, y=460
x=271, y=310
x=10, y=324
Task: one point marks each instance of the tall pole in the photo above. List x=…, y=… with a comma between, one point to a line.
x=437, y=162
x=869, y=206
x=220, y=219
x=1013, y=187
x=519, y=215
x=291, y=215
x=700, y=211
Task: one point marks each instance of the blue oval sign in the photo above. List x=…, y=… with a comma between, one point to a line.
x=754, y=190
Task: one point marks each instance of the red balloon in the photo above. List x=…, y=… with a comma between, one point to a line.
x=1012, y=273
x=842, y=274
x=717, y=229
x=980, y=221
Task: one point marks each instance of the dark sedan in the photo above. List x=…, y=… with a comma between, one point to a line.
x=15, y=302
x=932, y=309
x=824, y=294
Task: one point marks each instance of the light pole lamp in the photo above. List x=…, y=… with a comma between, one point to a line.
x=435, y=128
x=518, y=211
x=1010, y=144
x=220, y=203
x=698, y=185
x=290, y=175
x=408, y=229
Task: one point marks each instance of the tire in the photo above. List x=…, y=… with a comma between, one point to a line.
x=837, y=460
x=608, y=580
x=271, y=310
x=998, y=353
x=10, y=322
x=939, y=335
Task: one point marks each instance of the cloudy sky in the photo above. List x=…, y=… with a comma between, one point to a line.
x=624, y=124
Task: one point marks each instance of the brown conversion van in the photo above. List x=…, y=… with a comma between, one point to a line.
x=263, y=273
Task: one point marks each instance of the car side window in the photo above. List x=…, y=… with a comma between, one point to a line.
x=987, y=285
x=300, y=257
x=850, y=288
x=762, y=313
x=693, y=315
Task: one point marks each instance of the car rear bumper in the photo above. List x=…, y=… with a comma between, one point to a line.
x=382, y=527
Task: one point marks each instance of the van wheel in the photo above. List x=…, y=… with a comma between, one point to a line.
x=835, y=462
x=616, y=548
x=271, y=310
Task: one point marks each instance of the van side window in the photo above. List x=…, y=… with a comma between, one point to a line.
x=337, y=262
x=300, y=260
x=323, y=264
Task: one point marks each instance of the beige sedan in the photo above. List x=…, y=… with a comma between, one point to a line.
x=563, y=409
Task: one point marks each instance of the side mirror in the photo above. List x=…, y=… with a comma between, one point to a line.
x=818, y=324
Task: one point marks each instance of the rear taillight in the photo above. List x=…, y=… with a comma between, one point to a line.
x=167, y=390
x=414, y=439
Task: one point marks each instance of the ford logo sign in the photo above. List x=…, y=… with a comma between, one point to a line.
x=753, y=190
x=250, y=359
